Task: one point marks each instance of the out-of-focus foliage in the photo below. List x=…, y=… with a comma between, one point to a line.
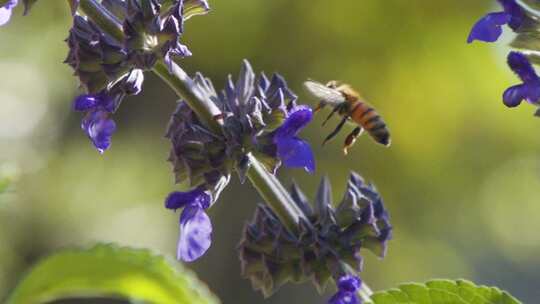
x=107, y=270
x=461, y=179
x=444, y=292
x=4, y=183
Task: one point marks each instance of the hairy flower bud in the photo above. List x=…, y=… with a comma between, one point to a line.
x=272, y=256
x=259, y=116
x=113, y=68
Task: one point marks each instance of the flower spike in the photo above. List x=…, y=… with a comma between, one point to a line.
x=112, y=67
x=271, y=255
x=259, y=116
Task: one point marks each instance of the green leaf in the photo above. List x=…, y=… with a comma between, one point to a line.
x=443, y=292
x=108, y=270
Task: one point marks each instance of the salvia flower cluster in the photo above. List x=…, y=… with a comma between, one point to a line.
x=109, y=68
x=272, y=256
x=524, y=23
x=259, y=117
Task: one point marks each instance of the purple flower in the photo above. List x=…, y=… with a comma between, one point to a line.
x=6, y=10
x=529, y=89
x=195, y=226
x=347, y=287
x=97, y=123
x=489, y=28
x=293, y=151
x=337, y=233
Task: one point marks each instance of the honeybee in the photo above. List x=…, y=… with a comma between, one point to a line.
x=348, y=103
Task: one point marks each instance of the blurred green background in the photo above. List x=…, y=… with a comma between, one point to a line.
x=461, y=180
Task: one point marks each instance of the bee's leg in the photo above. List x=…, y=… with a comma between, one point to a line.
x=336, y=131
x=351, y=139
x=330, y=115
x=319, y=107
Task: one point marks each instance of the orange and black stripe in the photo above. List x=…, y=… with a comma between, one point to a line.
x=367, y=118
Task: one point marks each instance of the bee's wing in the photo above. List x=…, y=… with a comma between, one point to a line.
x=324, y=93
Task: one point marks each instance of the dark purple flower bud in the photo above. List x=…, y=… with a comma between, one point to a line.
x=530, y=88
x=335, y=234
x=153, y=33
x=195, y=226
x=6, y=10
x=293, y=151
x=258, y=116
x=489, y=27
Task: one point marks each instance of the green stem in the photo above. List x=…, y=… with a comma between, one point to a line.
x=275, y=195
x=186, y=89
x=103, y=18
x=365, y=293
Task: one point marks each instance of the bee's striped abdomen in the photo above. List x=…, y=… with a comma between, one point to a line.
x=367, y=118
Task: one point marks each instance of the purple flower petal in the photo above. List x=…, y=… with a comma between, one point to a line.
x=519, y=63
x=85, y=102
x=349, y=283
x=343, y=297
x=295, y=153
x=196, y=197
x=513, y=96
x=6, y=10
x=515, y=11
x=195, y=234
x=99, y=128
x=488, y=29
x=529, y=89
x=298, y=118
x=107, y=102
x=347, y=287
